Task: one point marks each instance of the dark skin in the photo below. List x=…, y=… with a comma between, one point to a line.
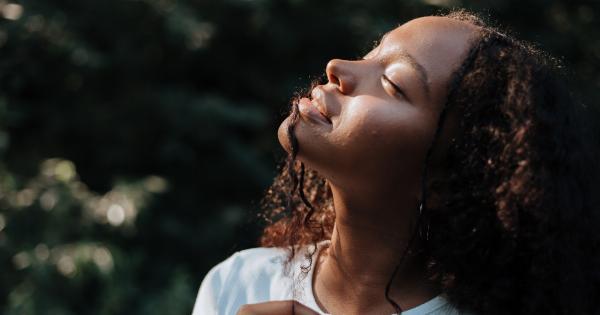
x=380, y=116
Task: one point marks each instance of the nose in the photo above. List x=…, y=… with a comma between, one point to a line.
x=339, y=72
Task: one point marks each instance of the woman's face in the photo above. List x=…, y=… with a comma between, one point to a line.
x=379, y=114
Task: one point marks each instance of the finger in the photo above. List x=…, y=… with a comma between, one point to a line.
x=276, y=308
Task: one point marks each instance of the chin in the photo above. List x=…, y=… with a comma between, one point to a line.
x=311, y=147
x=282, y=135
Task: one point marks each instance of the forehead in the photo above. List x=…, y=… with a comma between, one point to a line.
x=438, y=44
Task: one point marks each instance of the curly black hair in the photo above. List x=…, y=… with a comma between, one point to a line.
x=515, y=231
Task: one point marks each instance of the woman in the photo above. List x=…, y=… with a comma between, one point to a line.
x=444, y=173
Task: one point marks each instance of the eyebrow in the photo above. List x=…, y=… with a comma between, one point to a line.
x=411, y=61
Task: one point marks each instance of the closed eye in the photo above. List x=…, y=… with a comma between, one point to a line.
x=387, y=81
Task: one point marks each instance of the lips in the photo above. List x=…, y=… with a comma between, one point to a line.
x=310, y=109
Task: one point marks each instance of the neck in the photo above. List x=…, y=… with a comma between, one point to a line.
x=368, y=241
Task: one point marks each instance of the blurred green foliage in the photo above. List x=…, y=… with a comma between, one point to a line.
x=137, y=136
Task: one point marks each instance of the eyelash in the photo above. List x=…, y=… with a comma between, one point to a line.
x=396, y=88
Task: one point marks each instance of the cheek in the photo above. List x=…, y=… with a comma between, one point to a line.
x=383, y=140
x=373, y=142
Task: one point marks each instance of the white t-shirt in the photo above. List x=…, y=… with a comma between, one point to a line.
x=257, y=275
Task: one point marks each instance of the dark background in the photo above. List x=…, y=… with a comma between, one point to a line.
x=137, y=137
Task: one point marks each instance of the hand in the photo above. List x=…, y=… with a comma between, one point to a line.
x=276, y=308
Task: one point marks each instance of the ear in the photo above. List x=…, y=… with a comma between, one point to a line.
x=447, y=136
x=437, y=168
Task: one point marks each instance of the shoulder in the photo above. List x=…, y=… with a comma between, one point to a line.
x=248, y=276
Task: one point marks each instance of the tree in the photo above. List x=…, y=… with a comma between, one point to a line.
x=136, y=137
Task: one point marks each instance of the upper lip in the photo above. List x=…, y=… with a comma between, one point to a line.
x=317, y=99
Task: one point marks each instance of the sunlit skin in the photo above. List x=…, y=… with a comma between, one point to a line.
x=384, y=111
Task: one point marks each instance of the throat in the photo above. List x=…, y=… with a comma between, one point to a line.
x=356, y=283
x=373, y=230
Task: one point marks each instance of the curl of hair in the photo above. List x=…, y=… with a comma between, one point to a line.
x=516, y=231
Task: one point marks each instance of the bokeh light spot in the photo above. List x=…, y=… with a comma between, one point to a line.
x=12, y=11
x=21, y=260
x=115, y=214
